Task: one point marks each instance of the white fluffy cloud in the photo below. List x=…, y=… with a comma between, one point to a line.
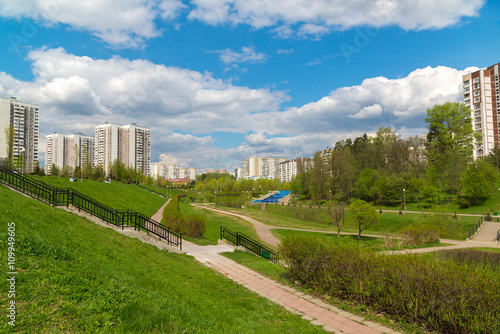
x=183, y=107
x=128, y=23
x=247, y=55
x=124, y=23
x=375, y=102
x=318, y=16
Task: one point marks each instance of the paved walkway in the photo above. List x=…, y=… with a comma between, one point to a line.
x=263, y=230
x=487, y=232
x=319, y=313
x=483, y=239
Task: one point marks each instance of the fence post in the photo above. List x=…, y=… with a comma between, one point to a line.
x=180, y=241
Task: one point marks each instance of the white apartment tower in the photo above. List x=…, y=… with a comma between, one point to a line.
x=73, y=150
x=170, y=171
x=255, y=168
x=131, y=144
x=481, y=95
x=23, y=117
x=291, y=168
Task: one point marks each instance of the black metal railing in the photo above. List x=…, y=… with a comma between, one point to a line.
x=240, y=239
x=66, y=197
x=473, y=230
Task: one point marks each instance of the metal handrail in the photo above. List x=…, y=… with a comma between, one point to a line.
x=240, y=239
x=65, y=197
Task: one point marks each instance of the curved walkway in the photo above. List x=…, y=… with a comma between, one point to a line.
x=329, y=317
x=313, y=309
x=264, y=232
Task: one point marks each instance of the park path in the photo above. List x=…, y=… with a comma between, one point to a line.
x=313, y=309
x=484, y=238
x=487, y=232
x=263, y=230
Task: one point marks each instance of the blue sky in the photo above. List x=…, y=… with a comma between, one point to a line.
x=219, y=81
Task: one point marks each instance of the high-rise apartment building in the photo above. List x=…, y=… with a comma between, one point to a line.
x=73, y=150
x=170, y=171
x=481, y=95
x=23, y=117
x=291, y=168
x=256, y=168
x=131, y=144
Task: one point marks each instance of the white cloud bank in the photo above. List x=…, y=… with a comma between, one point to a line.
x=315, y=17
x=129, y=23
x=183, y=107
x=124, y=23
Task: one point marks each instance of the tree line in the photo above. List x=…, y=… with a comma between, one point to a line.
x=438, y=166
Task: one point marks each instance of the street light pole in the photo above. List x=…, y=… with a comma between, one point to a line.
x=24, y=157
x=404, y=199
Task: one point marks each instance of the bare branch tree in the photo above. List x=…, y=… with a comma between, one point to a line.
x=337, y=214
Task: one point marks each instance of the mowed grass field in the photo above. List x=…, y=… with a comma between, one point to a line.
x=390, y=223
x=77, y=277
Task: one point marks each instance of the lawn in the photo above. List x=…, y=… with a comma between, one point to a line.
x=117, y=195
x=214, y=221
x=76, y=277
x=390, y=223
x=374, y=243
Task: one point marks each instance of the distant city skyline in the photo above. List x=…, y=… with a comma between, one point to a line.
x=218, y=81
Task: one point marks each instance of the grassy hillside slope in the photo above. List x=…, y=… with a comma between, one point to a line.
x=76, y=277
x=115, y=194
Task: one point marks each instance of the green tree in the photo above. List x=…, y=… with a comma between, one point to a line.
x=449, y=143
x=365, y=183
x=342, y=172
x=364, y=214
x=494, y=157
x=9, y=140
x=479, y=180
x=318, y=177
x=54, y=170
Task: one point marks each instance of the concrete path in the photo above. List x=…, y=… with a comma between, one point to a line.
x=483, y=239
x=319, y=313
x=263, y=230
x=487, y=232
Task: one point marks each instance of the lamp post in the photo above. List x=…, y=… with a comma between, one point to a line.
x=404, y=199
x=24, y=157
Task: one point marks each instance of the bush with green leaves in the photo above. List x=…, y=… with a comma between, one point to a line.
x=437, y=295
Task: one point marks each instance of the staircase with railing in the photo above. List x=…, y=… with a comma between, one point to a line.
x=66, y=197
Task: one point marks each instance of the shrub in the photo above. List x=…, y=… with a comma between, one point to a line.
x=191, y=226
x=420, y=235
x=437, y=295
x=195, y=226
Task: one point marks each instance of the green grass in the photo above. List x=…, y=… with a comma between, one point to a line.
x=214, y=221
x=117, y=195
x=491, y=205
x=77, y=277
x=390, y=223
x=374, y=243
x=258, y=264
